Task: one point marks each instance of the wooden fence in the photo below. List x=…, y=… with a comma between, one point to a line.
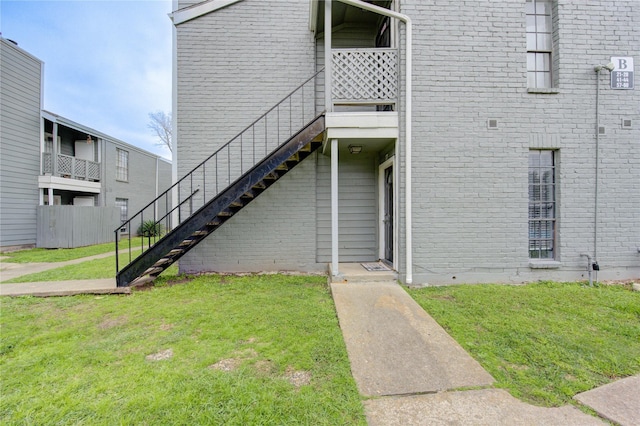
x=75, y=226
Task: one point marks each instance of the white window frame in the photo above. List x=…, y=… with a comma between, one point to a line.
x=123, y=204
x=539, y=32
x=122, y=165
x=543, y=206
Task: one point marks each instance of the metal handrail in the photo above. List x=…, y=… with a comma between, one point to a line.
x=245, y=145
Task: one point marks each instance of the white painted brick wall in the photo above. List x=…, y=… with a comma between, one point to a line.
x=470, y=183
x=235, y=64
x=275, y=232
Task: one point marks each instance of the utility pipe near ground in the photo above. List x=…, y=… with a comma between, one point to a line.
x=408, y=112
x=593, y=263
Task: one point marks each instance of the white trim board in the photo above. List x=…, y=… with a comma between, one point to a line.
x=195, y=11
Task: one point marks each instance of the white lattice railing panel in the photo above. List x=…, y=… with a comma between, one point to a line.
x=65, y=165
x=47, y=166
x=71, y=167
x=80, y=168
x=365, y=75
x=93, y=172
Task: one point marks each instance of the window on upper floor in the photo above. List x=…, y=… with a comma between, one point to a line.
x=542, y=204
x=539, y=16
x=122, y=165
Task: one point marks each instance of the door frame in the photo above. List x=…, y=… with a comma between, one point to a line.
x=381, y=197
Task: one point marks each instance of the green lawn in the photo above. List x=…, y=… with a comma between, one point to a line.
x=238, y=341
x=262, y=349
x=543, y=342
x=42, y=255
x=89, y=270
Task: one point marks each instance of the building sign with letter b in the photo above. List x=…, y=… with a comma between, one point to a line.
x=622, y=74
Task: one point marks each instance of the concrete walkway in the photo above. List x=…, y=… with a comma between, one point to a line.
x=618, y=401
x=416, y=373
x=395, y=348
x=10, y=271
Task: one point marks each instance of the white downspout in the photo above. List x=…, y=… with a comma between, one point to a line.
x=334, y=209
x=408, y=112
x=174, y=120
x=328, y=57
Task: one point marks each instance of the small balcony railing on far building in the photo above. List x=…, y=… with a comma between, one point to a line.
x=70, y=167
x=364, y=76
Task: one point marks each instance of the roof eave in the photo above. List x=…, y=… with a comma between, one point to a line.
x=195, y=11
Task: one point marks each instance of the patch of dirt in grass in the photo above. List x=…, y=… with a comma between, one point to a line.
x=168, y=282
x=160, y=356
x=297, y=378
x=518, y=367
x=228, y=364
x=623, y=283
x=113, y=322
x=249, y=353
x=265, y=366
x=443, y=297
x=166, y=327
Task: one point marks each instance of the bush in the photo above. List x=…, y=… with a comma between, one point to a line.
x=150, y=228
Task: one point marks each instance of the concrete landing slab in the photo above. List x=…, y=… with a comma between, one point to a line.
x=356, y=273
x=618, y=401
x=395, y=347
x=472, y=407
x=63, y=288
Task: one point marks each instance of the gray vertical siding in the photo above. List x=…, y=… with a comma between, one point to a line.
x=20, y=82
x=357, y=207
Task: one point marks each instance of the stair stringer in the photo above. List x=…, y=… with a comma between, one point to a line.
x=207, y=219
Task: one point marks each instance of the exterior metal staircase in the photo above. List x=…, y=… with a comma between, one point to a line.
x=225, y=168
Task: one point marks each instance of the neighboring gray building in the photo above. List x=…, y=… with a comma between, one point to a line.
x=487, y=167
x=20, y=105
x=93, y=177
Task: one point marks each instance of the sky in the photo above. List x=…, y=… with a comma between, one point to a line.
x=107, y=63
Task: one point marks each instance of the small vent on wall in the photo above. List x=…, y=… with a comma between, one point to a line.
x=602, y=130
x=492, y=124
x=626, y=123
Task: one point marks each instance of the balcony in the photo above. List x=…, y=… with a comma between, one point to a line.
x=70, y=167
x=364, y=96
